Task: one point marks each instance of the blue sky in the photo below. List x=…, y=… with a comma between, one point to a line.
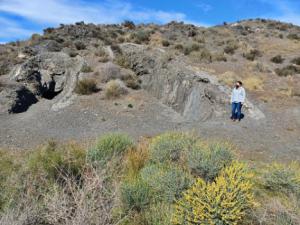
x=20, y=18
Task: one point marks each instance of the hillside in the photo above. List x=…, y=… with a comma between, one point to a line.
x=129, y=125
x=64, y=82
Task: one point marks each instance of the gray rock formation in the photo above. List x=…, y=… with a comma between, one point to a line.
x=194, y=94
x=15, y=98
x=46, y=75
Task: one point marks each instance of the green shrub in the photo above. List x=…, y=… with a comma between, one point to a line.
x=293, y=36
x=135, y=195
x=80, y=45
x=190, y=47
x=86, y=69
x=225, y=201
x=170, y=146
x=287, y=70
x=86, y=86
x=167, y=182
x=277, y=59
x=252, y=54
x=109, y=145
x=296, y=61
x=159, y=214
x=231, y=47
x=282, y=178
x=141, y=36
x=8, y=167
x=53, y=161
x=208, y=162
x=179, y=47
x=165, y=43
x=122, y=61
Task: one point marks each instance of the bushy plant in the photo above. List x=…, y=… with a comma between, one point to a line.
x=170, y=146
x=165, y=43
x=231, y=47
x=135, y=195
x=86, y=86
x=282, y=178
x=141, y=36
x=86, y=69
x=296, y=61
x=167, y=182
x=53, y=161
x=277, y=59
x=287, y=71
x=224, y=201
x=115, y=88
x=207, y=162
x=252, y=54
x=136, y=159
x=190, y=47
x=159, y=214
x=80, y=45
x=109, y=145
x=293, y=36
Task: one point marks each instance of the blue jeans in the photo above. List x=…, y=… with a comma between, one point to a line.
x=236, y=110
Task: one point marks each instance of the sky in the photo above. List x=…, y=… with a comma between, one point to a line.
x=19, y=19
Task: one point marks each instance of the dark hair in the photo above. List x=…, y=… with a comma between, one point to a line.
x=240, y=82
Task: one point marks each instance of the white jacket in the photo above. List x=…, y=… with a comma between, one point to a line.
x=238, y=95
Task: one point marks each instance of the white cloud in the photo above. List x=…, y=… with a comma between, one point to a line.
x=70, y=11
x=11, y=29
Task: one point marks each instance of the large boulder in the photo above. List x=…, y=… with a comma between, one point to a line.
x=15, y=98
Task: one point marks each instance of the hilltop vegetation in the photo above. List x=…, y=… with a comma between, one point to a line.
x=173, y=178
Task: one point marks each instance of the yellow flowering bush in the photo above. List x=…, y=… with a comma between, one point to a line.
x=222, y=202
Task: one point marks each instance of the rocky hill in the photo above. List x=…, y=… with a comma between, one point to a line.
x=76, y=81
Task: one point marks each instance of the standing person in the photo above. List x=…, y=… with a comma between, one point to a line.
x=238, y=96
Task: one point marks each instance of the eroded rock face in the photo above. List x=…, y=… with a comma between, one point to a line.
x=16, y=98
x=195, y=94
x=43, y=76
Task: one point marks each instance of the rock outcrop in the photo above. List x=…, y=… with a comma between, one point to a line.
x=195, y=94
x=45, y=75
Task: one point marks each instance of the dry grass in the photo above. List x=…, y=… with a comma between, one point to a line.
x=253, y=83
x=136, y=158
x=86, y=87
x=77, y=204
x=228, y=78
x=115, y=88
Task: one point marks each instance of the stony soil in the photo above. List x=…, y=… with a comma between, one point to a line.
x=274, y=138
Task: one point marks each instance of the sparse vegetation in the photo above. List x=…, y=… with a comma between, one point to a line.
x=86, y=87
x=277, y=59
x=296, y=61
x=108, y=146
x=287, y=70
x=117, y=181
x=165, y=43
x=293, y=36
x=231, y=47
x=252, y=54
x=86, y=69
x=80, y=45
x=115, y=88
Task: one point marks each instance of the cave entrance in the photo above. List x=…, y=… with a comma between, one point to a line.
x=50, y=92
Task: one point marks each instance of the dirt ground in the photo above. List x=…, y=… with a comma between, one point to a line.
x=275, y=138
